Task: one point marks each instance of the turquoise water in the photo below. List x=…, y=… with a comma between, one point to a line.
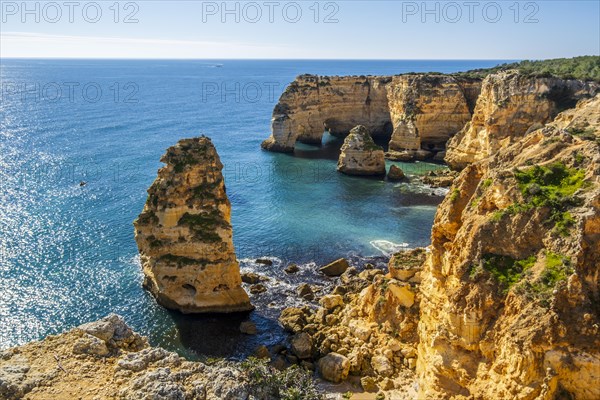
x=67, y=253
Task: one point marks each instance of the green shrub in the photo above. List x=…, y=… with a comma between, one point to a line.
x=584, y=68
x=506, y=270
x=267, y=382
x=454, y=195
x=557, y=269
x=204, y=225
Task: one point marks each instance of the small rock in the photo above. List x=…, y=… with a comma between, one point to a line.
x=258, y=288
x=369, y=384
x=291, y=269
x=395, y=173
x=335, y=268
x=307, y=365
x=369, y=274
x=89, y=344
x=293, y=319
x=334, y=367
x=279, y=363
x=387, y=384
x=331, y=301
x=305, y=291
x=382, y=366
x=412, y=363
x=340, y=290
x=403, y=294
x=262, y=352
x=264, y=261
x=248, y=327
x=250, y=277
x=302, y=345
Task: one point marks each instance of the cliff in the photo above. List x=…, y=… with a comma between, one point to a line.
x=510, y=105
x=426, y=109
x=312, y=104
x=360, y=155
x=415, y=110
x=510, y=289
x=184, y=234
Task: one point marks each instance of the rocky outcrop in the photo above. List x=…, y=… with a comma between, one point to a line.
x=419, y=111
x=184, y=234
x=360, y=155
x=510, y=105
x=510, y=289
x=367, y=326
x=313, y=104
x=107, y=360
x=426, y=109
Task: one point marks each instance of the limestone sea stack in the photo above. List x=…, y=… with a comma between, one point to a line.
x=360, y=155
x=184, y=234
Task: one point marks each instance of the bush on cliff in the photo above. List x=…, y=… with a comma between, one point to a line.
x=267, y=382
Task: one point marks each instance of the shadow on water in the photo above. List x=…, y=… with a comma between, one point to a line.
x=330, y=147
x=219, y=335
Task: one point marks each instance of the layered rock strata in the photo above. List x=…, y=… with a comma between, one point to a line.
x=510, y=105
x=417, y=110
x=360, y=155
x=313, y=104
x=510, y=289
x=184, y=234
x=427, y=109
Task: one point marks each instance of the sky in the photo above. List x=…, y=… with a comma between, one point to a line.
x=300, y=29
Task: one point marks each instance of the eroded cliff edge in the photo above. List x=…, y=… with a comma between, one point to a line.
x=184, y=234
x=417, y=111
x=511, y=286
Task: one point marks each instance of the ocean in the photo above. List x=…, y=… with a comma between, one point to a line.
x=80, y=142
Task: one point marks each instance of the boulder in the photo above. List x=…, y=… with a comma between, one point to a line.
x=403, y=293
x=291, y=269
x=331, y=301
x=302, y=345
x=305, y=291
x=395, y=173
x=334, y=367
x=251, y=278
x=335, y=268
x=248, y=327
x=382, y=366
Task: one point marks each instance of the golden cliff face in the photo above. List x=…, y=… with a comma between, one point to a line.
x=427, y=109
x=312, y=104
x=510, y=289
x=510, y=105
x=417, y=110
x=184, y=234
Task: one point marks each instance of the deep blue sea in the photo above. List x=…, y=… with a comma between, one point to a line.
x=67, y=253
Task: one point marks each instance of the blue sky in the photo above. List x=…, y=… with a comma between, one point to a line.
x=287, y=29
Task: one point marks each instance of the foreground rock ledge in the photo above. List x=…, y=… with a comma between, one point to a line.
x=184, y=234
x=107, y=360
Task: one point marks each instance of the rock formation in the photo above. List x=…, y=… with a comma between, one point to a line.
x=107, y=360
x=510, y=104
x=427, y=109
x=419, y=111
x=184, y=234
x=313, y=104
x=510, y=288
x=360, y=155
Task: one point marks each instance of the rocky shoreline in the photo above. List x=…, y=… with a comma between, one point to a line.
x=502, y=304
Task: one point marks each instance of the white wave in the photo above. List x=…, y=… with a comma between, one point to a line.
x=388, y=248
